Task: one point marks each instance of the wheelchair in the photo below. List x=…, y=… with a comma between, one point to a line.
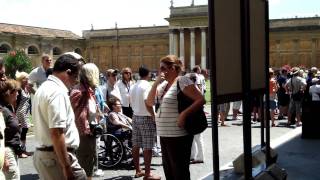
x=115, y=145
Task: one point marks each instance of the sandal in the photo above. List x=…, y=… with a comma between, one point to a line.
x=23, y=155
x=152, y=177
x=139, y=174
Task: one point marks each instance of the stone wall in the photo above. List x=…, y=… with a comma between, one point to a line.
x=42, y=44
x=128, y=47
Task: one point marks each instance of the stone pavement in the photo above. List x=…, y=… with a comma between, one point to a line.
x=299, y=157
x=230, y=146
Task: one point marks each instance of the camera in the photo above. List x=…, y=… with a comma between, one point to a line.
x=96, y=129
x=19, y=149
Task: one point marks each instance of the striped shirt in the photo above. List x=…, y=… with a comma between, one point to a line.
x=167, y=115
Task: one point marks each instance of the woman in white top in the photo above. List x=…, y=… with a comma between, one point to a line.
x=124, y=87
x=175, y=141
x=86, y=112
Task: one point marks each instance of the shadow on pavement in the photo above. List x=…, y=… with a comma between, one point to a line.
x=300, y=158
x=120, y=178
x=29, y=177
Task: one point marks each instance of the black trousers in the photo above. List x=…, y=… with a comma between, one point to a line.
x=127, y=111
x=176, y=153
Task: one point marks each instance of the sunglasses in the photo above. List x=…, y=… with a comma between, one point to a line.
x=163, y=68
x=126, y=72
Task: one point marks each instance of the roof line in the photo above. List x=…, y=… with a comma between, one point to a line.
x=147, y=27
x=35, y=27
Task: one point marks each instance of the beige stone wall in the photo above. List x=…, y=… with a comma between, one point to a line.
x=295, y=48
x=43, y=45
x=127, y=47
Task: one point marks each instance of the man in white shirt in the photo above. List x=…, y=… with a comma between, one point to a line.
x=38, y=75
x=314, y=90
x=143, y=125
x=55, y=129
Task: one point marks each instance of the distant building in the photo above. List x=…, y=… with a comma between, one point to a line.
x=37, y=41
x=292, y=41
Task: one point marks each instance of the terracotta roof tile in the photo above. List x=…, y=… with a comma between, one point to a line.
x=37, y=31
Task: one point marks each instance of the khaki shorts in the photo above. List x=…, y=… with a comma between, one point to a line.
x=48, y=166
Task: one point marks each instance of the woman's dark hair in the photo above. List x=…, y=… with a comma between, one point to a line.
x=49, y=71
x=112, y=101
x=143, y=71
x=66, y=62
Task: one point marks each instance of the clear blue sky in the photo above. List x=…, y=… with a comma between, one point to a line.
x=291, y=8
x=78, y=15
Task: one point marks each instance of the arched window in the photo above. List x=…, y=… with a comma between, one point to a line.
x=33, y=50
x=56, y=51
x=78, y=50
x=4, y=48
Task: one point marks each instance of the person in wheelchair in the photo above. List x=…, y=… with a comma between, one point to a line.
x=119, y=124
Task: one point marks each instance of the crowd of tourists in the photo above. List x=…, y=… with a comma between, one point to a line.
x=71, y=97
x=67, y=102
x=288, y=89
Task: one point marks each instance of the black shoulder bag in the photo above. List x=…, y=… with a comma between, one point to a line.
x=197, y=121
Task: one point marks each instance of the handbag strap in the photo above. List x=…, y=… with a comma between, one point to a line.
x=178, y=86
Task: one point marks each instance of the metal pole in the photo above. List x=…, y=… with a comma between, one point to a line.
x=262, y=120
x=246, y=85
x=268, y=158
x=213, y=86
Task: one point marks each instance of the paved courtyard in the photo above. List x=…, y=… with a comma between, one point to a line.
x=230, y=146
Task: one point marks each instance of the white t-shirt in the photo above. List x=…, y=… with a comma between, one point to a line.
x=124, y=92
x=314, y=90
x=51, y=108
x=112, y=91
x=37, y=76
x=138, y=94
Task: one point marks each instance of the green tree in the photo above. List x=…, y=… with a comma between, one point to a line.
x=17, y=60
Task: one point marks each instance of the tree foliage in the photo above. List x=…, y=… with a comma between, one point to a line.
x=17, y=60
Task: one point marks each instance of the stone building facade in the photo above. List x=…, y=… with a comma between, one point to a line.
x=295, y=42
x=292, y=41
x=188, y=29
x=127, y=47
x=36, y=41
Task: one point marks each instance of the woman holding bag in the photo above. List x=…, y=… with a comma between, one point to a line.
x=86, y=112
x=175, y=141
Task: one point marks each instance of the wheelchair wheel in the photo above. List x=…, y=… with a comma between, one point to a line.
x=110, y=151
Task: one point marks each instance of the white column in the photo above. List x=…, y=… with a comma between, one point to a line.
x=171, y=45
x=175, y=44
x=192, y=49
x=203, y=48
x=182, y=45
